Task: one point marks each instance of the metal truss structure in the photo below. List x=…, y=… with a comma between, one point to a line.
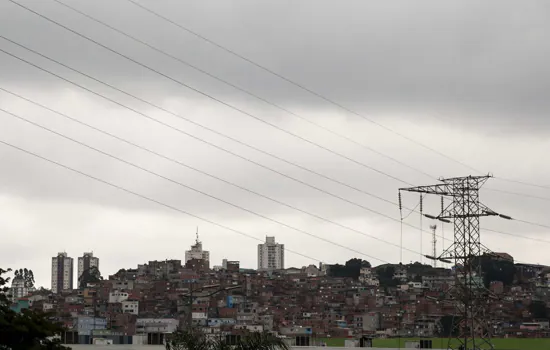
x=471, y=323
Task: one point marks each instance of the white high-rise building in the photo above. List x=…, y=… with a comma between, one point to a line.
x=62, y=273
x=86, y=261
x=196, y=251
x=271, y=255
x=19, y=288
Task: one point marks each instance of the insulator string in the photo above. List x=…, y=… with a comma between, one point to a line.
x=442, y=225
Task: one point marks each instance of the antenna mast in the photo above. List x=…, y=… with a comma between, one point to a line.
x=434, y=242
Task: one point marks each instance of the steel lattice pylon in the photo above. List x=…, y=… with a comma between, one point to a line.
x=472, y=325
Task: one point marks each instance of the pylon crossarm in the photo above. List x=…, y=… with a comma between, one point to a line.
x=481, y=178
x=441, y=190
x=444, y=255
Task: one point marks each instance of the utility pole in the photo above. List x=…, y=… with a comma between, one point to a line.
x=189, y=316
x=434, y=242
x=471, y=324
x=201, y=293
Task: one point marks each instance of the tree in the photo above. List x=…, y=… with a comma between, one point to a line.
x=538, y=309
x=43, y=291
x=194, y=340
x=188, y=340
x=26, y=275
x=259, y=341
x=385, y=275
x=28, y=330
x=447, y=326
x=497, y=270
x=352, y=268
x=90, y=275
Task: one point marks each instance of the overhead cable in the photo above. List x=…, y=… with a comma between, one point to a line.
x=248, y=92
x=143, y=196
x=181, y=184
x=213, y=98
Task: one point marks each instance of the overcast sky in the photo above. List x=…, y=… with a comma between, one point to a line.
x=469, y=79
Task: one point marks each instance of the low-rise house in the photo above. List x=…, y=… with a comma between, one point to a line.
x=156, y=325
x=130, y=307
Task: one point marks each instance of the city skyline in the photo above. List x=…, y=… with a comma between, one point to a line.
x=269, y=240
x=213, y=264
x=88, y=259
x=344, y=302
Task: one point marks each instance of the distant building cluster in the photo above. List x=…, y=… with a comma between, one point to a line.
x=63, y=270
x=145, y=304
x=270, y=257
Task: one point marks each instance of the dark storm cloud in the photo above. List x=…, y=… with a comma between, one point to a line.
x=484, y=62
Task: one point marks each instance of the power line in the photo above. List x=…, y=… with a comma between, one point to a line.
x=190, y=167
x=523, y=183
x=413, y=210
x=234, y=86
x=177, y=116
x=319, y=95
x=518, y=236
x=189, y=187
x=323, y=97
x=217, y=147
x=200, y=92
x=391, y=218
x=212, y=176
x=235, y=140
x=143, y=196
x=532, y=223
x=518, y=194
x=526, y=196
x=208, y=143
x=296, y=115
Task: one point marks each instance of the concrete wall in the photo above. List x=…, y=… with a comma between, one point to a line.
x=157, y=347
x=116, y=347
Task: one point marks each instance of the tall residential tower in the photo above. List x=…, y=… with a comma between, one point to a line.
x=85, y=262
x=196, y=252
x=62, y=273
x=271, y=255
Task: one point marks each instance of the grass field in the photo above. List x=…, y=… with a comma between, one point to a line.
x=333, y=341
x=441, y=343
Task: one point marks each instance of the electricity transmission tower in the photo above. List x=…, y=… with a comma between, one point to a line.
x=471, y=324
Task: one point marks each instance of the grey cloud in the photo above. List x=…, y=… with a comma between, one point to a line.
x=455, y=76
x=468, y=61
